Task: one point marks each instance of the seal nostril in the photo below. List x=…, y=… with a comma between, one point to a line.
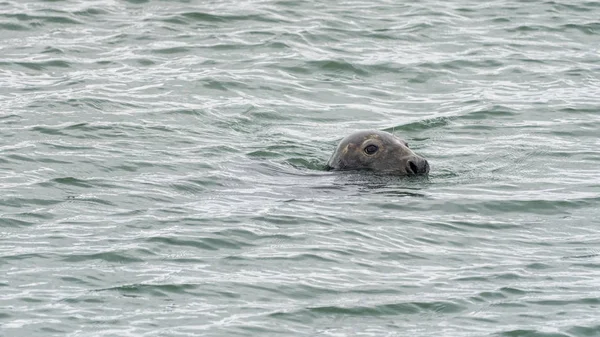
x=413, y=167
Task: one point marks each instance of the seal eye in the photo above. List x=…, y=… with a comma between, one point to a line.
x=371, y=149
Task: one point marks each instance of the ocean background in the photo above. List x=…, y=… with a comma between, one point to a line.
x=162, y=168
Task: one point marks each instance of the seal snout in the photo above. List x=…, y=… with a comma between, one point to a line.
x=417, y=165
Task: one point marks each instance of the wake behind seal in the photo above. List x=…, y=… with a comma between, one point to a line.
x=377, y=151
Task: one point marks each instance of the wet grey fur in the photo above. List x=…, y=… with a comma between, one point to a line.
x=393, y=155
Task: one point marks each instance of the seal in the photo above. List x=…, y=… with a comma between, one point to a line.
x=377, y=151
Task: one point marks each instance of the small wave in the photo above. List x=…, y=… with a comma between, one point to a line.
x=391, y=309
x=203, y=243
x=592, y=28
x=421, y=125
x=62, y=19
x=531, y=333
x=19, y=202
x=161, y=290
x=118, y=257
x=72, y=182
x=591, y=330
x=43, y=65
x=493, y=112
x=205, y=17
x=91, y=12
x=172, y=50
x=9, y=222
x=13, y=27
x=337, y=66
x=26, y=256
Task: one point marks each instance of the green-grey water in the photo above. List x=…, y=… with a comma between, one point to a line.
x=162, y=168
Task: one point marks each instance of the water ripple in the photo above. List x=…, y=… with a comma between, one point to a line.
x=162, y=168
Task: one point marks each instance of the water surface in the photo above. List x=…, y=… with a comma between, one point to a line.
x=162, y=168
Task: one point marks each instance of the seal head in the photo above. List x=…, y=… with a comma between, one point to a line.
x=378, y=151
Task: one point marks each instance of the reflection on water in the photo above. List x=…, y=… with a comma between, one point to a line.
x=162, y=168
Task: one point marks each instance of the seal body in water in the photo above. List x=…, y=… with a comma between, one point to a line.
x=378, y=151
